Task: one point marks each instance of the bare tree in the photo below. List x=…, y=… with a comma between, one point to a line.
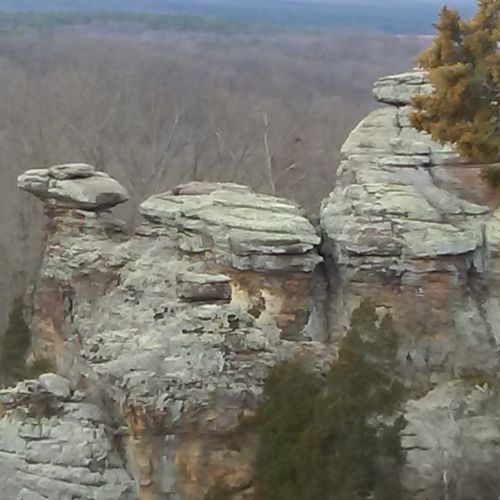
x=156, y=110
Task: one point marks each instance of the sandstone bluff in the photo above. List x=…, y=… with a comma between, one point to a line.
x=162, y=339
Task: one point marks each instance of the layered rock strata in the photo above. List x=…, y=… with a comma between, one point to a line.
x=56, y=443
x=164, y=337
x=173, y=329
x=414, y=228
x=74, y=185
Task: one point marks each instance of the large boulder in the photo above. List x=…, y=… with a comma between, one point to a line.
x=74, y=185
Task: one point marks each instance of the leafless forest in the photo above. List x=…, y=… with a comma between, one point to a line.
x=154, y=110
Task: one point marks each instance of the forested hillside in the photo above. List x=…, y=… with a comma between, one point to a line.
x=382, y=15
x=155, y=109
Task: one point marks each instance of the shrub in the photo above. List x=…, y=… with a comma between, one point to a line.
x=291, y=394
x=15, y=343
x=40, y=365
x=335, y=437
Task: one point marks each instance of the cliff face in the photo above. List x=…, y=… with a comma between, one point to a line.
x=163, y=338
x=416, y=229
x=170, y=331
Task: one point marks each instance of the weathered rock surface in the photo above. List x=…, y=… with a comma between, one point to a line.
x=242, y=229
x=74, y=185
x=399, y=89
x=163, y=339
x=57, y=445
x=453, y=442
x=414, y=228
x=175, y=327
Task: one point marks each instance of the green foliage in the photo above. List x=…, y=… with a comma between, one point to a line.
x=464, y=67
x=283, y=421
x=335, y=437
x=38, y=366
x=15, y=343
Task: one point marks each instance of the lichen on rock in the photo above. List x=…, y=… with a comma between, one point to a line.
x=412, y=226
x=175, y=327
x=163, y=338
x=74, y=185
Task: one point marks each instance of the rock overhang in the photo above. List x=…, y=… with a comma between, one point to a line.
x=243, y=229
x=399, y=89
x=74, y=185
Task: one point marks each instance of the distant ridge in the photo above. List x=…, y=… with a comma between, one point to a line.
x=401, y=17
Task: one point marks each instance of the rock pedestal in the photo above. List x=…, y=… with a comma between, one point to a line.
x=74, y=185
x=174, y=328
x=415, y=229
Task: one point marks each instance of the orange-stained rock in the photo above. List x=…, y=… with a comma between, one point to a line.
x=411, y=226
x=174, y=328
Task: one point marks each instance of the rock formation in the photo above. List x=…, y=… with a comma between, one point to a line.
x=411, y=226
x=169, y=332
x=162, y=339
x=75, y=185
x=56, y=444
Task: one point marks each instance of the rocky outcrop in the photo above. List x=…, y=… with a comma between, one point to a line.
x=163, y=338
x=452, y=437
x=400, y=89
x=414, y=228
x=243, y=230
x=74, y=185
x=172, y=330
x=55, y=443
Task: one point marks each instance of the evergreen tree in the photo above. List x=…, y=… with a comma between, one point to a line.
x=335, y=439
x=15, y=343
x=463, y=63
x=290, y=393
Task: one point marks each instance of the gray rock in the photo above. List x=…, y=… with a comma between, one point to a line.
x=409, y=226
x=55, y=384
x=72, y=171
x=57, y=455
x=204, y=287
x=172, y=327
x=168, y=334
x=74, y=186
x=399, y=89
x=235, y=224
x=451, y=431
x=34, y=181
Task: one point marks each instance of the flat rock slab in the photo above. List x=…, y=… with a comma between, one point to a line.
x=72, y=171
x=399, y=89
x=204, y=287
x=243, y=229
x=77, y=186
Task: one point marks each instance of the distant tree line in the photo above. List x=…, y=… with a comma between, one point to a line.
x=48, y=21
x=386, y=16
